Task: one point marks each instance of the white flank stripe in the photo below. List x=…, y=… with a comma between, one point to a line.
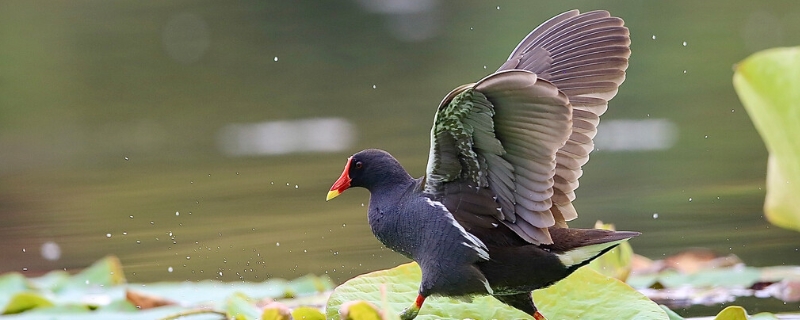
x=474, y=242
x=576, y=256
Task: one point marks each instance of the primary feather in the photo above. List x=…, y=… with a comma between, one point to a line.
x=520, y=136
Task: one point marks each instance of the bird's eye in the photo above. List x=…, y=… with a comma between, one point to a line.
x=359, y=164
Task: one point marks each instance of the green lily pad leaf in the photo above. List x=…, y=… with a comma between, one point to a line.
x=767, y=83
x=52, y=281
x=722, y=277
x=359, y=310
x=732, y=313
x=11, y=284
x=241, y=307
x=764, y=316
x=25, y=301
x=308, y=285
x=671, y=314
x=105, y=272
x=276, y=311
x=616, y=262
x=585, y=294
x=307, y=313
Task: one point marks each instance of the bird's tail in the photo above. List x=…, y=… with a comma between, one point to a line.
x=577, y=247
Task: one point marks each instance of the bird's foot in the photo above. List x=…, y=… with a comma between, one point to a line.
x=412, y=311
x=538, y=316
x=409, y=313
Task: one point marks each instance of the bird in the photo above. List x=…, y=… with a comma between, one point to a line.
x=489, y=217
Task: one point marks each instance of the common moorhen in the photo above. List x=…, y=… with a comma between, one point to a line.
x=489, y=216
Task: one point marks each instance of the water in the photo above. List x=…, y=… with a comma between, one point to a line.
x=110, y=135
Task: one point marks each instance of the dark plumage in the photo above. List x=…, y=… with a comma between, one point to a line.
x=489, y=216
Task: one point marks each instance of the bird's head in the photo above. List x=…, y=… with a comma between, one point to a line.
x=367, y=169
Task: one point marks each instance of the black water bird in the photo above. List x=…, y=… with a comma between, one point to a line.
x=489, y=216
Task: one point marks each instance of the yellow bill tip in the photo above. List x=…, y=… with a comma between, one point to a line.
x=332, y=194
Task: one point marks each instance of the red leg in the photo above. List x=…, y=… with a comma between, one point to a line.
x=538, y=316
x=412, y=311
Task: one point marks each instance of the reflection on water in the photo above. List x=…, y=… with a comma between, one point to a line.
x=110, y=115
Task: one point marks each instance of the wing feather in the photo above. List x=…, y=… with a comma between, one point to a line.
x=585, y=56
x=512, y=145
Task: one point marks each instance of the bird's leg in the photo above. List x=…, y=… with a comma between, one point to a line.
x=412, y=311
x=522, y=301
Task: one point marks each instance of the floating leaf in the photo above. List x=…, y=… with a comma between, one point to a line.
x=276, y=311
x=52, y=281
x=308, y=285
x=145, y=301
x=584, y=295
x=242, y=307
x=25, y=301
x=104, y=272
x=307, y=313
x=10, y=284
x=359, y=310
x=732, y=313
x=767, y=84
x=616, y=262
x=671, y=314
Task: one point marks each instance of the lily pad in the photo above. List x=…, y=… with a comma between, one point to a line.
x=25, y=301
x=767, y=83
x=585, y=294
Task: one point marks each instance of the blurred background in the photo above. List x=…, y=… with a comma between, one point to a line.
x=197, y=139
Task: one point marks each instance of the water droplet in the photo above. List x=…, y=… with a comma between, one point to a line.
x=296, y=186
x=344, y=225
x=304, y=250
x=169, y=269
x=684, y=71
x=188, y=257
x=706, y=137
x=220, y=273
x=471, y=28
x=655, y=215
x=24, y=269
x=23, y=249
x=733, y=110
x=126, y=159
x=177, y=213
x=277, y=244
x=131, y=217
x=498, y=7
x=108, y=235
x=124, y=233
x=152, y=222
x=684, y=43
x=654, y=37
x=138, y=242
x=374, y=87
x=275, y=59
x=690, y=199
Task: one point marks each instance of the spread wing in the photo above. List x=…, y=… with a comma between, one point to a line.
x=510, y=147
x=585, y=56
x=493, y=150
